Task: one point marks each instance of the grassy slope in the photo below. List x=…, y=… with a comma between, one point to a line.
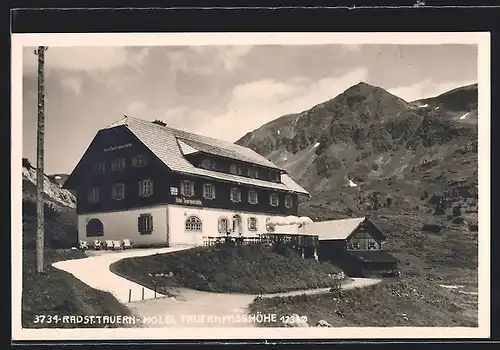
x=247, y=269
x=59, y=293
x=410, y=302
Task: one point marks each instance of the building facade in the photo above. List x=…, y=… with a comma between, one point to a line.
x=157, y=185
x=355, y=245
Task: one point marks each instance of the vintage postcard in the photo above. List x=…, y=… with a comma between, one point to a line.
x=250, y=186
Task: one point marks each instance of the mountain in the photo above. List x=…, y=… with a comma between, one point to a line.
x=60, y=215
x=367, y=148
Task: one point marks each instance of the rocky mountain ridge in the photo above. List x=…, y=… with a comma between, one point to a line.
x=366, y=148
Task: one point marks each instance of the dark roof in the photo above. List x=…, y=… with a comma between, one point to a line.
x=172, y=145
x=372, y=256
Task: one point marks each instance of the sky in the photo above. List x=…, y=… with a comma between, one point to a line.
x=218, y=91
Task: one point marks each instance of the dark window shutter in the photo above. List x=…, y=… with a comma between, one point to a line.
x=151, y=227
x=139, y=224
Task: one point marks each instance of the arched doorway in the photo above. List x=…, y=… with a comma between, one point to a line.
x=95, y=228
x=237, y=226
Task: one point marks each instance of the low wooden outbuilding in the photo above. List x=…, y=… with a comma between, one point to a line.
x=354, y=245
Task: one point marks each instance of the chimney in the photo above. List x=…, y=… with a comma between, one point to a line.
x=159, y=122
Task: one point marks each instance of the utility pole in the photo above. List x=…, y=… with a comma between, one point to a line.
x=40, y=201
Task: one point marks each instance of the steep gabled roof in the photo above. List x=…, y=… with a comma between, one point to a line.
x=334, y=229
x=170, y=145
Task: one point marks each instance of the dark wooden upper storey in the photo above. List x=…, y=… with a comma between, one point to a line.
x=118, y=172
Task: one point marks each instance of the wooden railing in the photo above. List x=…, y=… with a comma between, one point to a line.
x=267, y=238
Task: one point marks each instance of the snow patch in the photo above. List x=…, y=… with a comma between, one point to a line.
x=450, y=286
x=423, y=106
x=57, y=177
x=316, y=144
x=352, y=184
x=279, y=132
x=464, y=116
x=469, y=293
x=437, y=107
x=52, y=190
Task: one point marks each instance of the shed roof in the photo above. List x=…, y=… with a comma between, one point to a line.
x=334, y=229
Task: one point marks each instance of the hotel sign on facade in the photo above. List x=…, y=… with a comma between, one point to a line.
x=114, y=148
x=188, y=201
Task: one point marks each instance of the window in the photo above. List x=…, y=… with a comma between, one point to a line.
x=209, y=191
x=233, y=169
x=235, y=195
x=95, y=228
x=100, y=168
x=278, y=177
x=145, y=188
x=354, y=245
x=256, y=173
x=371, y=245
x=252, y=172
x=139, y=161
x=118, y=164
x=206, y=163
x=240, y=171
x=269, y=227
x=223, y=225
x=118, y=191
x=187, y=188
x=145, y=224
x=252, y=224
x=193, y=224
x=252, y=197
x=93, y=195
x=288, y=201
x=273, y=199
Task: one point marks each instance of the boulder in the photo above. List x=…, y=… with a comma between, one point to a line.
x=296, y=321
x=431, y=228
x=323, y=323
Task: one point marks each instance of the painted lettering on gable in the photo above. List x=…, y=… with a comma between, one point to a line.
x=188, y=201
x=114, y=148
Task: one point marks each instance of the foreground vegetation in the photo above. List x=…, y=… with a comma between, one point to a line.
x=411, y=302
x=252, y=269
x=56, y=292
x=427, y=262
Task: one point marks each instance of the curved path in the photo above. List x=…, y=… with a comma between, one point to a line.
x=94, y=271
x=189, y=306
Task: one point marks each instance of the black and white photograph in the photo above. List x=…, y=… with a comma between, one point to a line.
x=226, y=186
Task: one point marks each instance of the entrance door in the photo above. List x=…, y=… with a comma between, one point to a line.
x=237, y=229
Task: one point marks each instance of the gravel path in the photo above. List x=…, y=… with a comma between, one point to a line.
x=94, y=271
x=206, y=309
x=189, y=308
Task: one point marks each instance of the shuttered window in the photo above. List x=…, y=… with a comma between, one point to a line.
x=252, y=197
x=223, y=225
x=235, y=195
x=187, y=188
x=145, y=224
x=252, y=224
x=118, y=191
x=274, y=200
